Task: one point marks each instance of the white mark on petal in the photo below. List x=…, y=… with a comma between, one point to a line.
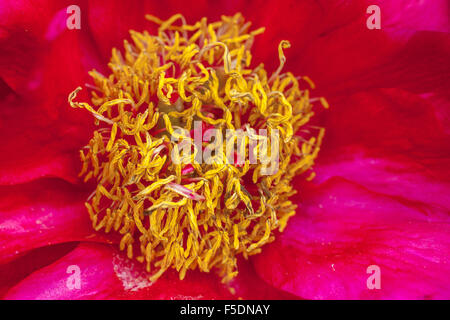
x=132, y=277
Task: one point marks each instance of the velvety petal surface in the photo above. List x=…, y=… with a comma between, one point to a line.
x=414, y=61
x=248, y=285
x=35, y=146
x=42, y=213
x=108, y=274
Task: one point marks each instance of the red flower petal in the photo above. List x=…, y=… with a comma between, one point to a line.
x=429, y=15
x=43, y=63
x=107, y=274
x=16, y=270
x=441, y=105
x=332, y=44
x=23, y=26
x=249, y=285
x=341, y=229
x=384, y=118
x=38, y=45
x=35, y=146
x=42, y=213
x=392, y=144
x=302, y=23
x=406, y=180
x=369, y=59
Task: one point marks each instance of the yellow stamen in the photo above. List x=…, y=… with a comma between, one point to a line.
x=201, y=217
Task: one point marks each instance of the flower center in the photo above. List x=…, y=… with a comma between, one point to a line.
x=177, y=211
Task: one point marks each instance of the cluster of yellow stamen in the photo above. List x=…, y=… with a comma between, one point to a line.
x=198, y=215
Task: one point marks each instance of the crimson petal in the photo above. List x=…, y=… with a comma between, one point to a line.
x=16, y=270
x=42, y=63
x=108, y=274
x=42, y=213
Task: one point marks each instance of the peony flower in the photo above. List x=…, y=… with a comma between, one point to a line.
x=377, y=207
